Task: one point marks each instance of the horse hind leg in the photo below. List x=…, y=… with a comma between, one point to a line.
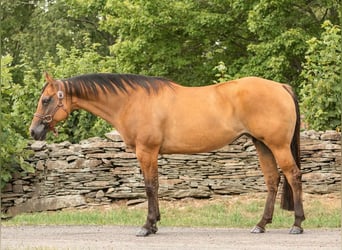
x=293, y=174
x=272, y=178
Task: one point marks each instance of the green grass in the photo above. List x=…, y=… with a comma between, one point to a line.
x=237, y=213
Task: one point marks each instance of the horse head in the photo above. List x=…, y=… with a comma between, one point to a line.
x=51, y=109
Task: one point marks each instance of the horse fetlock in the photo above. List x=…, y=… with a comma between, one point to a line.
x=268, y=220
x=154, y=228
x=300, y=217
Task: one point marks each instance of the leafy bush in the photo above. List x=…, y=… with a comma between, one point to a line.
x=221, y=73
x=13, y=150
x=321, y=86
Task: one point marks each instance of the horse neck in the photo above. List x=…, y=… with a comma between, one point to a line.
x=105, y=106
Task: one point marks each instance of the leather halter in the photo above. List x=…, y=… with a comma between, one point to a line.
x=47, y=119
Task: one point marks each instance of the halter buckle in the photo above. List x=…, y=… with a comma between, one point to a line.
x=60, y=94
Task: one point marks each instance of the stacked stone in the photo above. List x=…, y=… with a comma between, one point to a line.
x=230, y=170
x=321, y=161
x=98, y=171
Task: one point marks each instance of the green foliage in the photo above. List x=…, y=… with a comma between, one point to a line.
x=13, y=151
x=34, y=28
x=221, y=73
x=282, y=28
x=321, y=87
x=175, y=39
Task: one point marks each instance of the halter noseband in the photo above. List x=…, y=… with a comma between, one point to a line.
x=47, y=119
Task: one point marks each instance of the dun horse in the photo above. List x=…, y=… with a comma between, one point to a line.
x=157, y=116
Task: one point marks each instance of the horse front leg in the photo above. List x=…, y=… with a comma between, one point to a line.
x=269, y=168
x=149, y=165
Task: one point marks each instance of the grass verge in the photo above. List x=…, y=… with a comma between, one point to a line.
x=231, y=212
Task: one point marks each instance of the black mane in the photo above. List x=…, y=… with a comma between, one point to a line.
x=87, y=85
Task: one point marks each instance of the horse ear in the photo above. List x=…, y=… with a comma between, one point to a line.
x=48, y=78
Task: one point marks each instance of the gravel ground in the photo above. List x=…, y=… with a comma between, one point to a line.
x=123, y=237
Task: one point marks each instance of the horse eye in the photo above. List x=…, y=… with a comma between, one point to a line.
x=46, y=101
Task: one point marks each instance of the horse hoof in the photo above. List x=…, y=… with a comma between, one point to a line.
x=143, y=232
x=296, y=230
x=257, y=230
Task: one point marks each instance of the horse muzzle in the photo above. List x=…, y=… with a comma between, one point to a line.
x=39, y=132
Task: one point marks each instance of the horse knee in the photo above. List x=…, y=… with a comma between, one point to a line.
x=297, y=174
x=294, y=177
x=273, y=183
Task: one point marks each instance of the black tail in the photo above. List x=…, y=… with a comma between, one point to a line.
x=287, y=195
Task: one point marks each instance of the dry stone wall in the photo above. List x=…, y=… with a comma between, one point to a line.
x=97, y=171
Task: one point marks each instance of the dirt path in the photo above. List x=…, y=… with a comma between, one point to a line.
x=119, y=237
